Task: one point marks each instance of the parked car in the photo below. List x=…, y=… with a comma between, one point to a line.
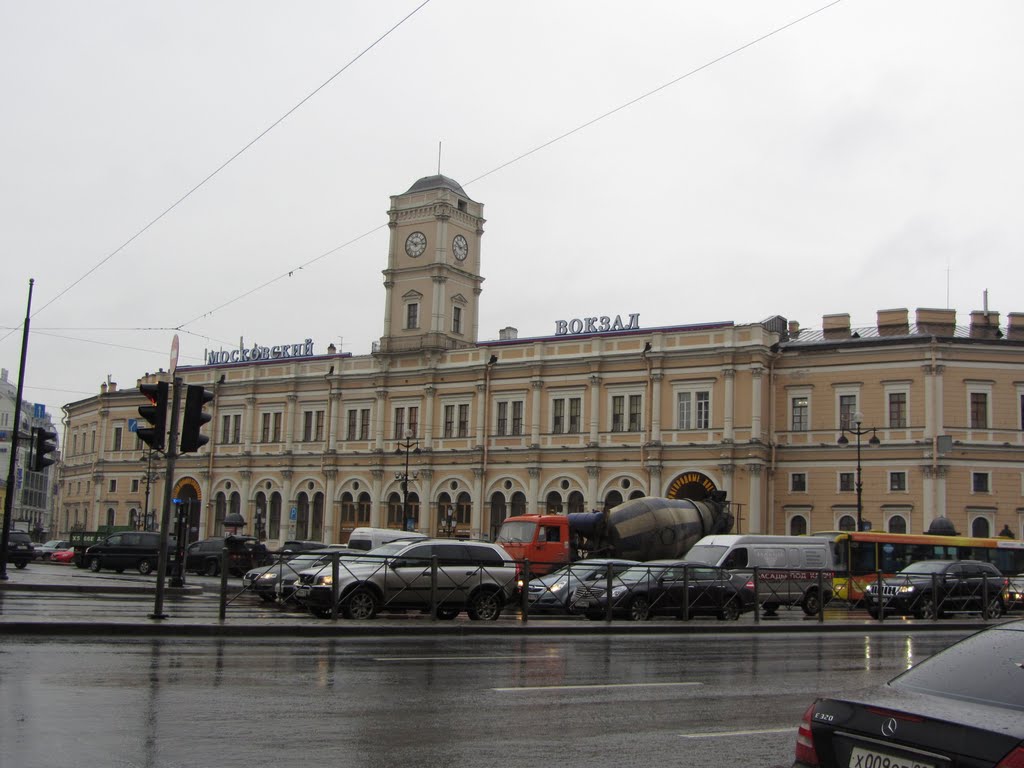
x=555, y=592
x=669, y=588
x=139, y=550
x=371, y=538
x=959, y=707
x=475, y=576
x=277, y=580
x=244, y=553
x=65, y=556
x=43, y=551
x=293, y=545
x=20, y=551
x=931, y=588
x=1015, y=593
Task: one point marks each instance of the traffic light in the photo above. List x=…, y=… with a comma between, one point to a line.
x=155, y=414
x=44, y=442
x=195, y=398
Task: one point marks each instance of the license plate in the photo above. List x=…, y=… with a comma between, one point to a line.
x=584, y=602
x=302, y=592
x=869, y=758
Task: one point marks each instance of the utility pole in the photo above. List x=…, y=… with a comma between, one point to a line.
x=171, y=454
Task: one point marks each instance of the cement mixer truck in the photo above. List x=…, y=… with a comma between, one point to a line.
x=643, y=529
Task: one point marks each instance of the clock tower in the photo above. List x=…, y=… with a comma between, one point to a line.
x=433, y=278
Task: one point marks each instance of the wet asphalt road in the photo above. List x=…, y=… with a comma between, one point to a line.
x=459, y=701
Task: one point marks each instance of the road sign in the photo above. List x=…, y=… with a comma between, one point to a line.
x=133, y=425
x=294, y=514
x=174, y=354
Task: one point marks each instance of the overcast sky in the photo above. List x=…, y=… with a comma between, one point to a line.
x=866, y=157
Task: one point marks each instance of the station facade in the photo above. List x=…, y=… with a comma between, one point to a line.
x=438, y=431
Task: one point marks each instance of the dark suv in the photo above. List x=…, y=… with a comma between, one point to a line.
x=20, y=551
x=930, y=588
x=244, y=553
x=139, y=550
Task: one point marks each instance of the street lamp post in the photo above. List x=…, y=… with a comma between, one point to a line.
x=407, y=446
x=874, y=441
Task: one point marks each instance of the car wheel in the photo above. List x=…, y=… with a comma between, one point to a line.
x=730, y=611
x=873, y=612
x=447, y=613
x=212, y=568
x=639, y=609
x=20, y=564
x=145, y=567
x=925, y=608
x=484, y=606
x=811, y=604
x=994, y=609
x=321, y=613
x=360, y=604
x=94, y=564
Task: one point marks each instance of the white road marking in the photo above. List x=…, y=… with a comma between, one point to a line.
x=464, y=658
x=594, y=687
x=717, y=734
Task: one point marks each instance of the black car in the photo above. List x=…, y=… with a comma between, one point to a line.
x=930, y=588
x=244, y=553
x=668, y=588
x=20, y=551
x=139, y=550
x=964, y=706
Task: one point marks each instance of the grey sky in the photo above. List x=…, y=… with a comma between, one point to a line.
x=868, y=157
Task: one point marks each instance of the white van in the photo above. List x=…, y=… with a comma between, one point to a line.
x=371, y=538
x=787, y=566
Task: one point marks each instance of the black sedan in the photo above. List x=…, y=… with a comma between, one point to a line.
x=668, y=588
x=964, y=707
x=931, y=588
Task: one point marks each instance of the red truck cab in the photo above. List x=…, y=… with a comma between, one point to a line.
x=541, y=539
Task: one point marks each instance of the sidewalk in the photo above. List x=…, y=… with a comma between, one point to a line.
x=50, y=599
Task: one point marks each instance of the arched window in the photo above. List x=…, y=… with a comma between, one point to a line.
x=274, y=520
x=363, y=509
x=980, y=528
x=220, y=509
x=518, y=503
x=302, y=517
x=798, y=525
x=576, y=502
x=445, y=509
x=553, y=504
x=396, y=513
x=498, y=513
x=317, y=532
x=464, y=509
x=897, y=524
x=847, y=523
x=348, y=510
x=613, y=499
x=134, y=520
x=110, y=517
x=637, y=494
x=259, y=525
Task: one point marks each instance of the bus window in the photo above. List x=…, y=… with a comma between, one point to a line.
x=862, y=557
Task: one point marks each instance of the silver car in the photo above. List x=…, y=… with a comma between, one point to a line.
x=555, y=592
x=475, y=576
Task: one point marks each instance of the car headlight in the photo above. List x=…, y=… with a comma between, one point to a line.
x=326, y=580
x=559, y=585
x=619, y=591
x=268, y=576
x=905, y=589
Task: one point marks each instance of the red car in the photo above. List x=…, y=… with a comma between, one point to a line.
x=63, y=556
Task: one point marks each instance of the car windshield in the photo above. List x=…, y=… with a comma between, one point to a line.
x=707, y=554
x=516, y=532
x=926, y=567
x=642, y=573
x=983, y=668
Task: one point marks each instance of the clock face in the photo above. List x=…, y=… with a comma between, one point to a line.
x=416, y=244
x=460, y=248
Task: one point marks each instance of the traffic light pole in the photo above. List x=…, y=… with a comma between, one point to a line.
x=5, y=536
x=165, y=521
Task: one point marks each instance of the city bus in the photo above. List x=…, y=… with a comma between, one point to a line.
x=860, y=555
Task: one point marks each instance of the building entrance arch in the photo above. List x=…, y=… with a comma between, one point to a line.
x=695, y=486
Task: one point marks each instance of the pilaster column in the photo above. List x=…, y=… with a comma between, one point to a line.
x=481, y=415
x=727, y=469
x=290, y=408
x=535, y=410
x=656, y=383
x=593, y=474
x=755, y=515
x=477, y=523
x=756, y=398
x=595, y=409
x=378, y=518
x=429, y=394
x=335, y=410
x=730, y=406
x=532, y=502
x=378, y=429
x=251, y=423
x=331, y=522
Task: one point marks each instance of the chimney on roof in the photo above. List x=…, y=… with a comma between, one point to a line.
x=936, y=322
x=508, y=334
x=1016, y=325
x=893, y=322
x=836, y=326
x=985, y=325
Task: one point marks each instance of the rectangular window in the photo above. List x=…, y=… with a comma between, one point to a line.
x=979, y=410
x=113, y=486
x=634, y=413
x=265, y=429
x=694, y=409
x=846, y=481
x=847, y=408
x=502, y=425
x=703, y=420
x=979, y=482
x=575, y=410
x=449, y=421
x=464, y=420
x=618, y=413
x=897, y=481
x=399, y=423
x=412, y=316
x=798, y=482
x=353, y=423
x=517, y=417
x=236, y=428
x=364, y=424
x=456, y=319
x=414, y=420
x=307, y=426
x=277, y=427
x=117, y=438
x=135, y=485
x=801, y=408
x=558, y=417
x=225, y=429
x=898, y=410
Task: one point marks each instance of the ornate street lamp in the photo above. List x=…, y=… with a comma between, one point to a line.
x=407, y=446
x=874, y=441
